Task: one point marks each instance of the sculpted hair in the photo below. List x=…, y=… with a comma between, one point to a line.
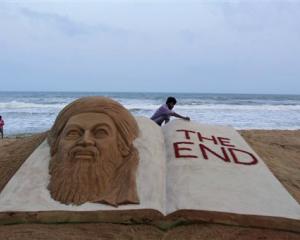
x=120, y=187
x=124, y=121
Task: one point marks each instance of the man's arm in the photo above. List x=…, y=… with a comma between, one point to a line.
x=179, y=116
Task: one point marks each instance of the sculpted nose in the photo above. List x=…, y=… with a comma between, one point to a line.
x=87, y=139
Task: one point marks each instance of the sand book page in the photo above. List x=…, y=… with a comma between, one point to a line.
x=27, y=189
x=183, y=166
x=212, y=168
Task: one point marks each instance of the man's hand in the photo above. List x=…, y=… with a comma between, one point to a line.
x=179, y=116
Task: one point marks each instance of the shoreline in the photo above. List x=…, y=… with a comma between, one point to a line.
x=20, y=135
x=29, y=134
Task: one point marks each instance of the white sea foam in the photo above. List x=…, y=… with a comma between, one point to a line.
x=35, y=112
x=144, y=106
x=230, y=107
x=24, y=105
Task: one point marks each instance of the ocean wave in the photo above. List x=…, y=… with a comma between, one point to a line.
x=230, y=107
x=150, y=106
x=26, y=105
x=214, y=107
x=36, y=111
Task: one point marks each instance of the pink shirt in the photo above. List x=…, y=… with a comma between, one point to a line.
x=1, y=123
x=162, y=111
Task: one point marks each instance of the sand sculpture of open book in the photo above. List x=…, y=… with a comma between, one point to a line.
x=138, y=170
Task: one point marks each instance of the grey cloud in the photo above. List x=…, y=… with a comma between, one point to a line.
x=67, y=25
x=248, y=16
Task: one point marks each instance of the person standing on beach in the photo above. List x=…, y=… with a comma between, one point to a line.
x=1, y=126
x=164, y=112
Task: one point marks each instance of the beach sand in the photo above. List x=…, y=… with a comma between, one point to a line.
x=280, y=149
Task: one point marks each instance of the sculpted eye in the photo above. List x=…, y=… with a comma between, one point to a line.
x=101, y=133
x=73, y=134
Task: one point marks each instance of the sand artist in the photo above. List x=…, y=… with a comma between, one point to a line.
x=164, y=112
x=92, y=154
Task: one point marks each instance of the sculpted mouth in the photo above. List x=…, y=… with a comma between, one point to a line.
x=84, y=154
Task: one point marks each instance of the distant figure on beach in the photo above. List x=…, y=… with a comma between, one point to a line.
x=164, y=112
x=1, y=126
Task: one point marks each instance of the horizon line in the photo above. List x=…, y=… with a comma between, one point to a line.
x=158, y=92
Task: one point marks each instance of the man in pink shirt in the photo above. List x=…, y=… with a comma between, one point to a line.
x=164, y=112
x=1, y=126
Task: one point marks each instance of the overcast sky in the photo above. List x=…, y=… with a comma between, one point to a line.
x=158, y=45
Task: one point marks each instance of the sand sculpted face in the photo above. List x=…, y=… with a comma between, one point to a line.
x=92, y=155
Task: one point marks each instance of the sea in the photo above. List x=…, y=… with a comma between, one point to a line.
x=32, y=112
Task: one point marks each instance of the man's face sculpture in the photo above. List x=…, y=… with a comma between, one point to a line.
x=88, y=164
x=88, y=137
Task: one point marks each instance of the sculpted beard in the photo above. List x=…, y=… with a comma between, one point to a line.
x=75, y=180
